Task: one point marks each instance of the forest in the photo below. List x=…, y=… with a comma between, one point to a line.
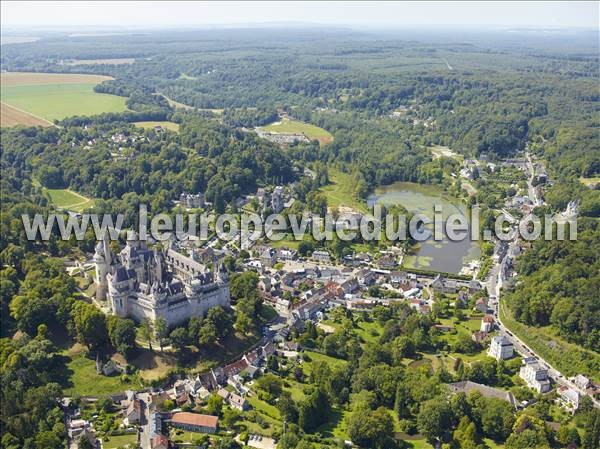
x=386, y=100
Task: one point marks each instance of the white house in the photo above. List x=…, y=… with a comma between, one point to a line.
x=535, y=375
x=501, y=348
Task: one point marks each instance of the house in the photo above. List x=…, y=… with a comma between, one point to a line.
x=398, y=277
x=195, y=422
x=387, y=262
x=234, y=400
x=501, y=348
x=481, y=305
x=535, y=375
x=487, y=323
x=443, y=285
x=287, y=254
x=366, y=277
x=466, y=386
x=474, y=286
x=334, y=289
x=268, y=257
x=235, y=368
x=350, y=285
x=581, y=382
x=160, y=442
x=133, y=412
x=569, y=398
x=321, y=256
x=412, y=293
x=479, y=337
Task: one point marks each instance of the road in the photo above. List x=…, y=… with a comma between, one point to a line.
x=532, y=193
x=494, y=286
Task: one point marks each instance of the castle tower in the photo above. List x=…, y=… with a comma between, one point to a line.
x=117, y=292
x=102, y=260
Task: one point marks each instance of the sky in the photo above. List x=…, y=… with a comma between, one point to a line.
x=372, y=14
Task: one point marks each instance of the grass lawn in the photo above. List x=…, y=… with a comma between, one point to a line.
x=58, y=101
x=340, y=192
x=117, y=441
x=264, y=408
x=166, y=125
x=317, y=357
x=82, y=378
x=287, y=126
x=68, y=199
x=335, y=427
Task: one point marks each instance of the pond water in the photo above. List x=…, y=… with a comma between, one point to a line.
x=444, y=255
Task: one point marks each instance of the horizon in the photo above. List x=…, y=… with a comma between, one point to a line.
x=357, y=15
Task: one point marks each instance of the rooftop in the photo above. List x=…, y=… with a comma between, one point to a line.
x=195, y=419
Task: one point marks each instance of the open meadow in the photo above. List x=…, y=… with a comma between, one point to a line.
x=287, y=126
x=32, y=98
x=151, y=125
x=69, y=200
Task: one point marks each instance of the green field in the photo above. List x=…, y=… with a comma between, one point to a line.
x=118, y=441
x=69, y=200
x=340, y=192
x=286, y=126
x=166, y=125
x=58, y=101
x=83, y=379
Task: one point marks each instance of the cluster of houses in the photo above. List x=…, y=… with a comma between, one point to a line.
x=282, y=139
x=142, y=408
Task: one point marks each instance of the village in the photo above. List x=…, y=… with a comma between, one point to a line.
x=307, y=288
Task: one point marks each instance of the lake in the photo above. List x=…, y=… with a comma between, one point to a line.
x=444, y=255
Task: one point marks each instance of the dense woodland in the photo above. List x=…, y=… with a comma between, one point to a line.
x=500, y=93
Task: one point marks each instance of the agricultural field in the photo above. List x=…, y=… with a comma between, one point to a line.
x=69, y=200
x=166, y=125
x=11, y=116
x=53, y=96
x=287, y=126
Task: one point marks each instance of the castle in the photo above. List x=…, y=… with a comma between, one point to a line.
x=145, y=283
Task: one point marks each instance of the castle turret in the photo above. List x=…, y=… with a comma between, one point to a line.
x=102, y=260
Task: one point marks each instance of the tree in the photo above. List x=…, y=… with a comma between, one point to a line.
x=466, y=434
x=146, y=332
x=287, y=407
x=591, y=436
x=208, y=333
x=497, y=418
x=161, y=330
x=90, y=325
x=227, y=443
x=179, y=338
x=214, y=404
x=313, y=410
x=230, y=417
x=121, y=333
x=370, y=428
x=434, y=419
